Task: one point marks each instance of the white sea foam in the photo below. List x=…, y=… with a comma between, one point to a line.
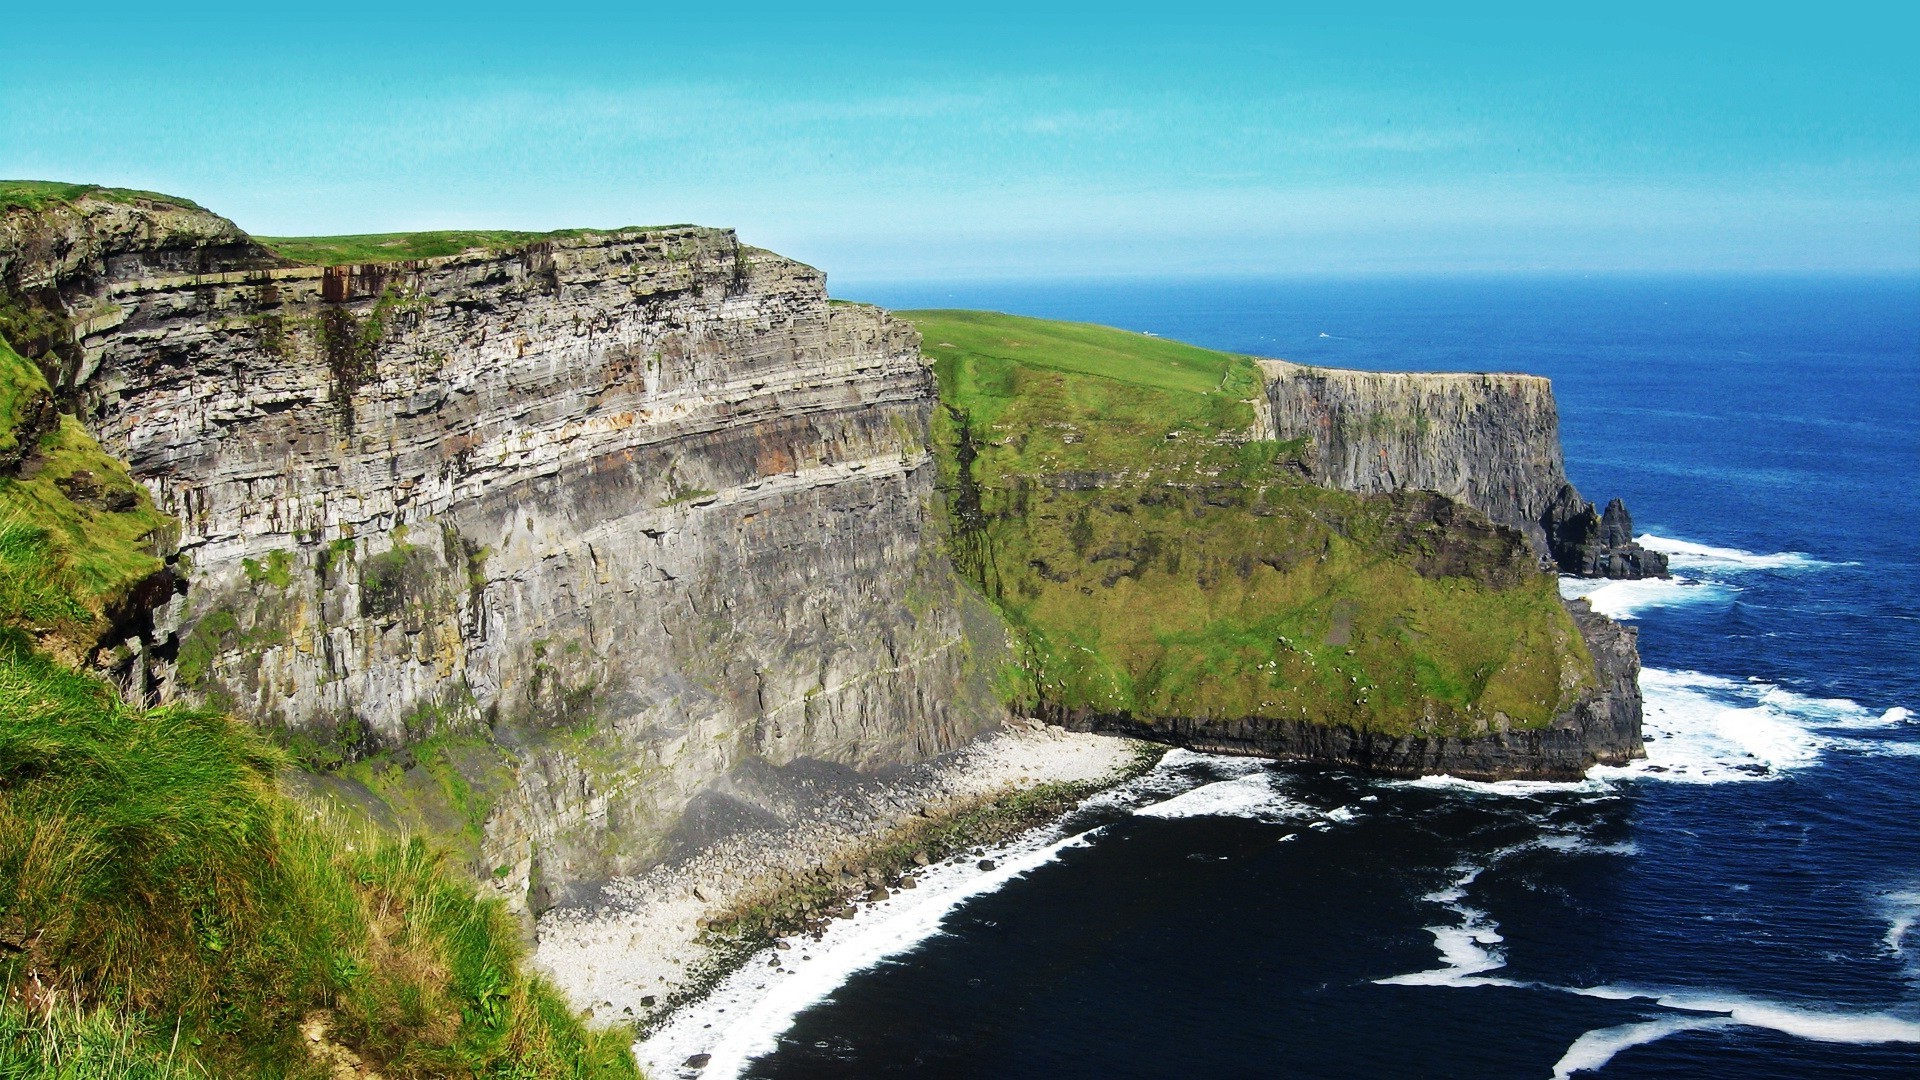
x=1707, y=574
x=1253, y=795
x=1687, y=554
x=1625, y=600
x=1576, y=843
x=1704, y=729
x=744, y=1017
x=1468, y=950
x=1444, y=782
x=1902, y=911
x=1817, y=1025
x=1592, y=1051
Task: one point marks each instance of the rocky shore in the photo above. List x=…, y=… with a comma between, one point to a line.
x=659, y=939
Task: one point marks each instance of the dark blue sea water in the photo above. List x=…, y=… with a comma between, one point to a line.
x=1744, y=904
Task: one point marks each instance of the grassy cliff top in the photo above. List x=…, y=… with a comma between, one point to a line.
x=1107, y=492
x=1056, y=396
x=39, y=194
x=406, y=246
x=1079, y=348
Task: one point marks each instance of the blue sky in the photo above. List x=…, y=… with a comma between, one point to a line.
x=1019, y=142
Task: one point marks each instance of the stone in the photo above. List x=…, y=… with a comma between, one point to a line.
x=986, y=864
x=1489, y=441
x=648, y=481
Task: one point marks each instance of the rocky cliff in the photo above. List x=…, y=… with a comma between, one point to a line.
x=1128, y=505
x=1490, y=440
x=536, y=544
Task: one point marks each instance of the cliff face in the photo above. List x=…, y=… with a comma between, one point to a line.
x=1491, y=441
x=1601, y=725
x=540, y=545
x=1172, y=579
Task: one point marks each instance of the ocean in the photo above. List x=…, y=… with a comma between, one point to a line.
x=1744, y=903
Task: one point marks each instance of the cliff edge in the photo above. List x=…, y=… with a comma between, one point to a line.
x=1491, y=441
x=1183, y=562
x=536, y=545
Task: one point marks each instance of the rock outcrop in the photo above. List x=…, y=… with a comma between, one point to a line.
x=1594, y=544
x=1490, y=440
x=1602, y=726
x=536, y=544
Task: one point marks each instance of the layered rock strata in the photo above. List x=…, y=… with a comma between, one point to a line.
x=535, y=544
x=1490, y=440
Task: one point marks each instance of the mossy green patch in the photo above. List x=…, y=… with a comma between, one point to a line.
x=275, y=570
x=1158, y=560
x=24, y=394
x=99, y=525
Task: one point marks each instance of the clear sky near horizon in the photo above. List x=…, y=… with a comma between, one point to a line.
x=890, y=143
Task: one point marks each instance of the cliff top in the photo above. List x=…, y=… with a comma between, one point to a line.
x=365, y=248
x=1077, y=348
x=39, y=194
x=1289, y=369
x=1158, y=562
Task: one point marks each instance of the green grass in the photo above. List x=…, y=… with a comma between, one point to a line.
x=149, y=867
x=398, y=247
x=154, y=878
x=1079, y=348
x=1156, y=561
x=103, y=551
x=61, y=1042
x=21, y=387
x=40, y=194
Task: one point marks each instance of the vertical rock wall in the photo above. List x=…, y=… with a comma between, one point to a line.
x=541, y=544
x=1491, y=441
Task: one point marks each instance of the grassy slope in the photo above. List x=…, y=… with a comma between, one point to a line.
x=104, y=550
x=154, y=879
x=1193, y=577
x=394, y=247
x=38, y=194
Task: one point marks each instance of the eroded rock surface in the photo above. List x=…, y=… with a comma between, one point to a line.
x=537, y=544
x=1491, y=441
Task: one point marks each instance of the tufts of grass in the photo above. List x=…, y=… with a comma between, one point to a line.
x=151, y=870
x=155, y=880
x=1158, y=561
x=22, y=390
x=58, y=1041
x=401, y=247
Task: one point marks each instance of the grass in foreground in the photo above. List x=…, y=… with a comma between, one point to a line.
x=152, y=876
x=165, y=910
x=1159, y=561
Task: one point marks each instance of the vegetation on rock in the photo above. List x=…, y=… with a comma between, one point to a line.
x=39, y=194
x=405, y=246
x=1159, y=561
x=165, y=909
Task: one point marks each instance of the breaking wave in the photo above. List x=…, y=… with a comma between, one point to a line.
x=1702, y=574
x=1469, y=952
